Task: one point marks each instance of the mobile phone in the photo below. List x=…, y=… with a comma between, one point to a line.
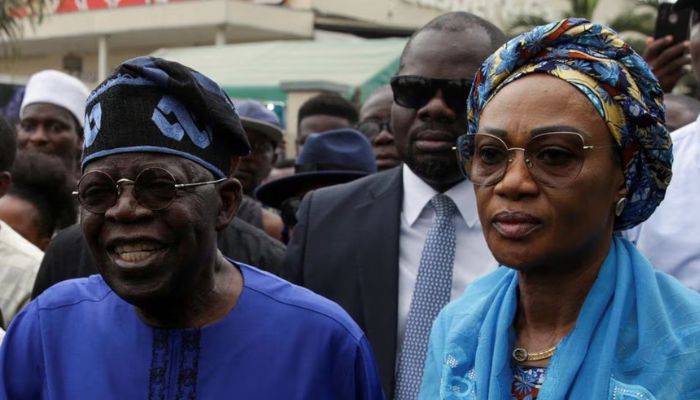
x=670, y=21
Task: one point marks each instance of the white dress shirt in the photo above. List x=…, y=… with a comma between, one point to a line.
x=670, y=238
x=472, y=257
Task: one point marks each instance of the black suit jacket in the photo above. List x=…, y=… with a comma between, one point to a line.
x=346, y=247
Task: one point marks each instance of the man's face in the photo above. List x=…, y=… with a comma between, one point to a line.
x=254, y=168
x=319, y=123
x=25, y=219
x=425, y=136
x=148, y=257
x=375, y=121
x=50, y=129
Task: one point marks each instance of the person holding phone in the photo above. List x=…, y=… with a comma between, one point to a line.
x=667, y=53
x=670, y=237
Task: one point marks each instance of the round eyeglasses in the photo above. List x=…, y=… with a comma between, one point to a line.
x=371, y=127
x=154, y=188
x=554, y=159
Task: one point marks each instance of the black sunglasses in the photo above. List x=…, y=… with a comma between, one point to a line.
x=412, y=91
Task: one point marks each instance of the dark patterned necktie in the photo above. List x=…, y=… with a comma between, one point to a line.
x=432, y=292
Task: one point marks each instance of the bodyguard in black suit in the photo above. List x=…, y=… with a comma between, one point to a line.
x=346, y=242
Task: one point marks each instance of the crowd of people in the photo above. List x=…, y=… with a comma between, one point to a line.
x=156, y=243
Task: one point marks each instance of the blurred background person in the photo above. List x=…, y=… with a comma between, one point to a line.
x=375, y=123
x=19, y=258
x=51, y=117
x=39, y=202
x=327, y=159
x=262, y=127
x=322, y=113
x=681, y=110
x=566, y=143
x=669, y=238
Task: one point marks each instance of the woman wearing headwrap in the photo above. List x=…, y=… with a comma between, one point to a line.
x=566, y=144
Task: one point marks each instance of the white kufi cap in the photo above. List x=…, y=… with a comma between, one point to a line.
x=57, y=88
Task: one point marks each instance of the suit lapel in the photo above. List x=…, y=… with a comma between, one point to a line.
x=378, y=268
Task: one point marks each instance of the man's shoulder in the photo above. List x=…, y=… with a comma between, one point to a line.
x=92, y=289
x=370, y=186
x=279, y=297
x=686, y=134
x=15, y=247
x=243, y=230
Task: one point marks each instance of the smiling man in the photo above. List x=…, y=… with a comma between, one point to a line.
x=377, y=245
x=169, y=316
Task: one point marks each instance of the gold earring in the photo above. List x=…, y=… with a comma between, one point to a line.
x=620, y=206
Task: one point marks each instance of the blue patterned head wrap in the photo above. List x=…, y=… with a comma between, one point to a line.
x=153, y=105
x=614, y=78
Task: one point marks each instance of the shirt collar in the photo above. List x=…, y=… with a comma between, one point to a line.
x=417, y=194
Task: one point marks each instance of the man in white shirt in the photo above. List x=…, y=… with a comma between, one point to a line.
x=670, y=238
x=361, y=244
x=19, y=259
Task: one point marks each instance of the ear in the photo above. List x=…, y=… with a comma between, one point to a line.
x=230, y=195
x=5, y=181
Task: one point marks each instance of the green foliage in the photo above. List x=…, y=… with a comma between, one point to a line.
x=643, y=23
x=13, y=11
x=583, y=8
x=642, y=19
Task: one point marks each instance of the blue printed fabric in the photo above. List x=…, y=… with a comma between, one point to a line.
x=637, y=336
x=527, y=382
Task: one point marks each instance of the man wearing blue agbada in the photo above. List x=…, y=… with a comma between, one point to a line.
x=169, y=317
x=566, y=144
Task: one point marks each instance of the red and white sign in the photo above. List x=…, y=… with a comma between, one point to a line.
x=63, y=6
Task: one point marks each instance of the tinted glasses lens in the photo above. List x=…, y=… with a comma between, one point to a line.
x=370, y=128
x=557, y=158
x=455, y=93
x=412, y=91
x=489, y=159
x=154, y=188
x=97, y=192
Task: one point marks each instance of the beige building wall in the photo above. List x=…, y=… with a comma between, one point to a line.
x=415, y=13
x=138, y=30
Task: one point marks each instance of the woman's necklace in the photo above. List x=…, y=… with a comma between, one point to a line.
x=522, y=355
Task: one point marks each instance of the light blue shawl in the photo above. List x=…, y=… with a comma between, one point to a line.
x=637, y=337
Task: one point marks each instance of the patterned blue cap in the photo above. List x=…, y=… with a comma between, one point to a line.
x=153, y=105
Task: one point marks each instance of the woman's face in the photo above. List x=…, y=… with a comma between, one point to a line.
x=531, y=225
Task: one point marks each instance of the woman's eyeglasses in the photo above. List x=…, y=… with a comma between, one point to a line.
x=154, y=188
x=413, y=91
x=554, y=159
x=371, y=127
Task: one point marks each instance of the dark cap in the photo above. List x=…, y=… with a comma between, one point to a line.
x=153, y=105
x=256, y=117
x=327, y=158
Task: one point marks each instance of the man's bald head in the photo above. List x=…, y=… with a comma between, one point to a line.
x=459, y=21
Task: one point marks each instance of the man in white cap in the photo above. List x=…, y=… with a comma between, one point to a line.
x=50, y=117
